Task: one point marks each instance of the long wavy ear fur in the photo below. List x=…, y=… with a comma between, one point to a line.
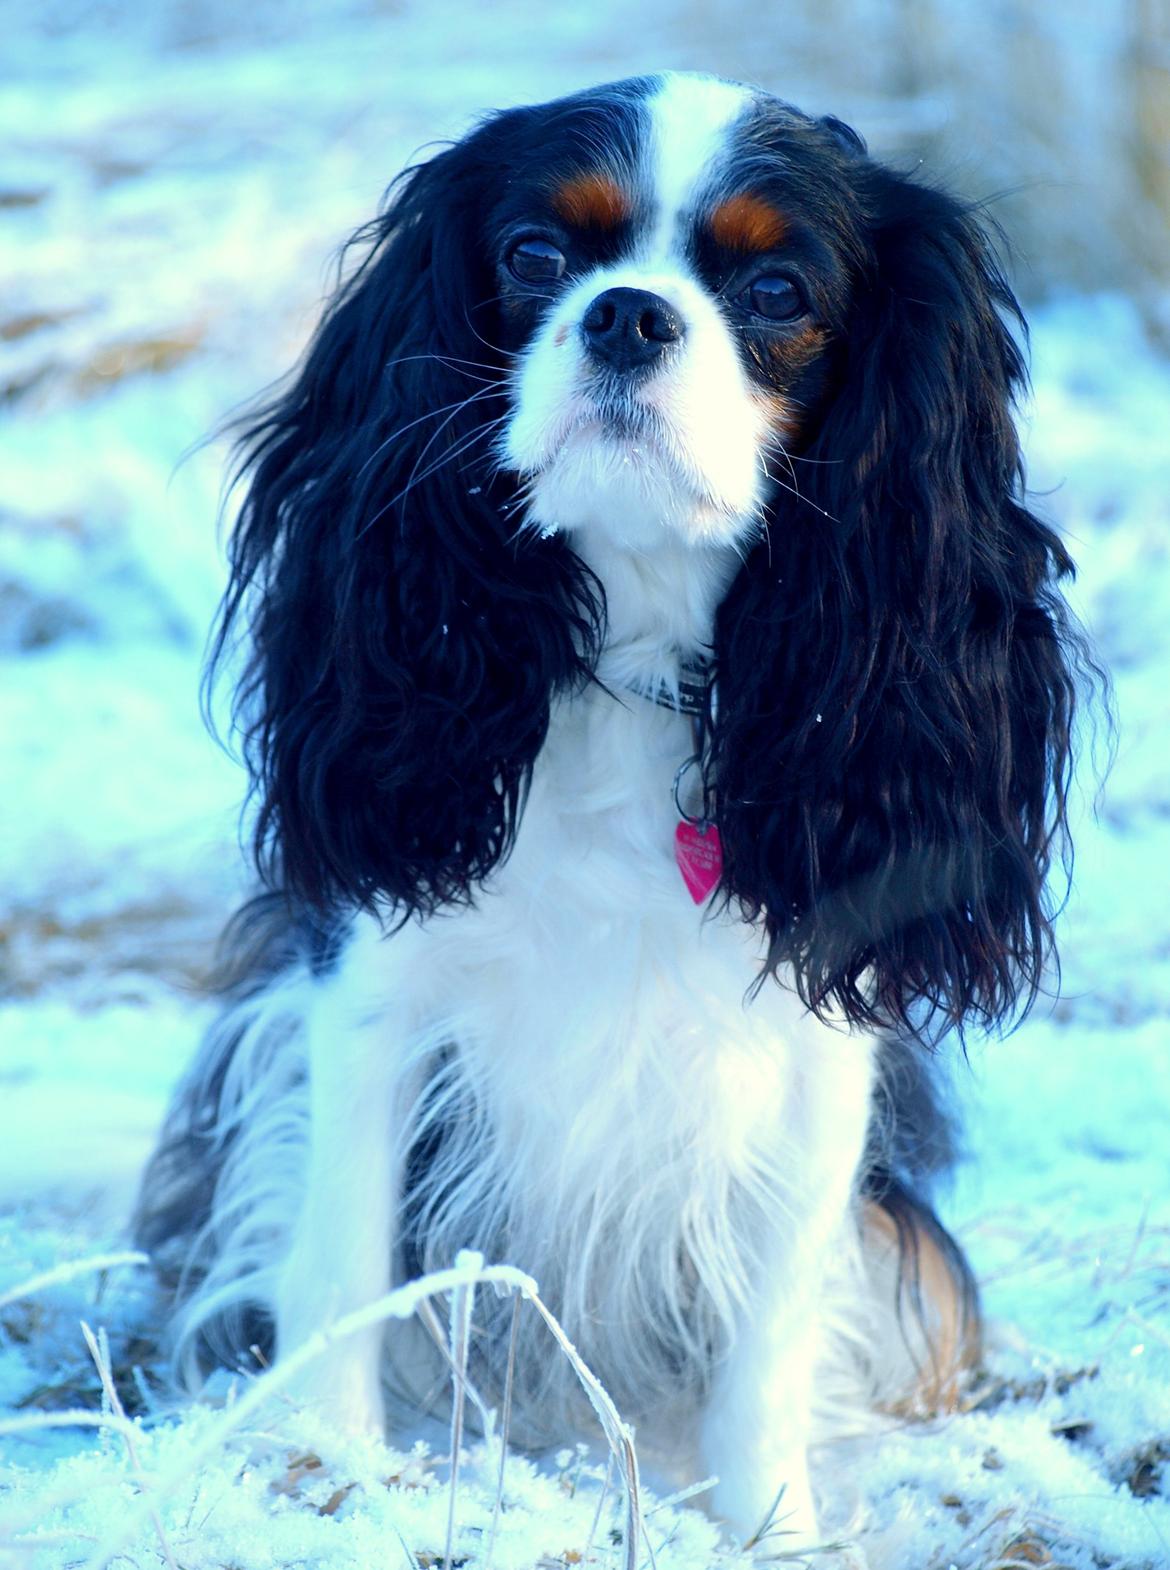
x=404, y=645
x=896, y=668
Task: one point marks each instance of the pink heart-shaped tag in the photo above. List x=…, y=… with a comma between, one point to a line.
x=700, y=858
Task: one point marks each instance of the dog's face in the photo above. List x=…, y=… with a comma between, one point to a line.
x=673, y=261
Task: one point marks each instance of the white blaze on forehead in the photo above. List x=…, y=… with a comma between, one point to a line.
x=690, y=117
x=687, y=460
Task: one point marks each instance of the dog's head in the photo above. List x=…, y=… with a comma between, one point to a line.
x=672, y=309
x=674, y=269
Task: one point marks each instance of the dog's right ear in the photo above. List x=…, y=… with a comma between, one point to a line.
x=403, y=642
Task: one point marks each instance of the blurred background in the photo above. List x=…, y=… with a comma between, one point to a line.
x=175, y=180
x=176, y=177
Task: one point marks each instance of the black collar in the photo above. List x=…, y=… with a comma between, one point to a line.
x=691, y=694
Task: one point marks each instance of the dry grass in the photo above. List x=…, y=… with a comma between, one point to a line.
x=105, y=1391
x=149, y=355
x=459, y=1283
x=167, y=938
x=116, y=1386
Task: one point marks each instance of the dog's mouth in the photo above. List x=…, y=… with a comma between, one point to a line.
x=630, y=428
x=613, y=453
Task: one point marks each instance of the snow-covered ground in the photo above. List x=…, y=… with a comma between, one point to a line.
x=173, y=181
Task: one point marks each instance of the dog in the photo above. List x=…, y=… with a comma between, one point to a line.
x=658, y=699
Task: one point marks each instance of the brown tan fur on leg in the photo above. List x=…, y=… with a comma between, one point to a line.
x=925, y=1289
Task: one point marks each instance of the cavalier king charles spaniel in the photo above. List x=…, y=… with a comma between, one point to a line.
x=658, y=702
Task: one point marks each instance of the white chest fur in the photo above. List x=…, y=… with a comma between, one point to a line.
x=617, y=1115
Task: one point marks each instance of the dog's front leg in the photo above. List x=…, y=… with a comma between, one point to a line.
x=341, y=1247
x=756, y=1428
x=759, y=1419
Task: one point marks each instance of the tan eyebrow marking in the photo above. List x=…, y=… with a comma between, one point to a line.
x=592, y=201
x=748, y=223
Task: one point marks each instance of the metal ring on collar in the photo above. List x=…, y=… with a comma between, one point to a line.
x=704, y=819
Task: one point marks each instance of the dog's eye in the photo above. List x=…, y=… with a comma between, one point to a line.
x=775, y=297
x=536, y=261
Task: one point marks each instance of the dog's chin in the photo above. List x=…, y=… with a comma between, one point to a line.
x=621, y=480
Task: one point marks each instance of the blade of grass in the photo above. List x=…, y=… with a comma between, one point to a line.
x=400, y=1303
x=601, y=1498
x=430, y=1320
x=617, y=1432
x=101, y=1357
x=67, y=1271
x=505, y=1426
x=462, y=1301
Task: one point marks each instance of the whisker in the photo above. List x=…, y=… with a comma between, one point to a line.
x=462, y=446
x=415, y=478
x=783, y=452
x=496, y=298
x=775, y=479
x=447, y=359
x=777, y=441
x=494, y=347
x=429, y=414
x=455, y=409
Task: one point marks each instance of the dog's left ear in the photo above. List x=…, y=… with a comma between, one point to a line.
x=896, y=668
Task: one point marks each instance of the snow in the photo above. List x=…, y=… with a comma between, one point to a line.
x=174, y=179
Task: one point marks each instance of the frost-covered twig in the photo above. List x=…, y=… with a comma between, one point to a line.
x=461, y=1280
x=67, y=1271
x=617, y=1432
x=101, y=1358
x=397, y=1304
x=683, y=1495
x=430, y=1320
x=462, y=1301
x=505, y=1426
x=1131, y=1319
x=765, y=1526
x=601, y=1498
x=69, y=1417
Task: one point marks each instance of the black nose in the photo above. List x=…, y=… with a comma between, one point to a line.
x=629, y=328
